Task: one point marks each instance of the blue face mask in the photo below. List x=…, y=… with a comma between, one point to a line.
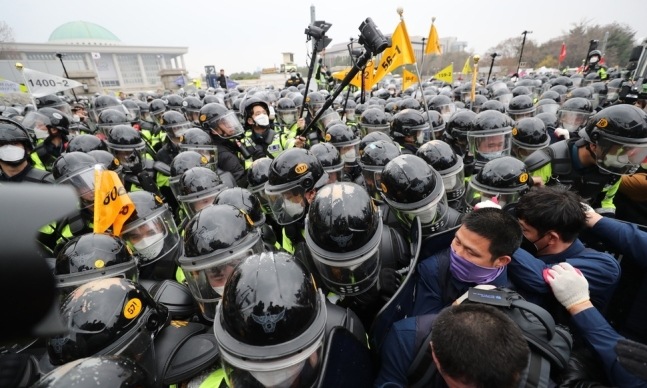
x=468, y=272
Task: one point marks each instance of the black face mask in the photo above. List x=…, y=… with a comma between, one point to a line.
x=530, y=246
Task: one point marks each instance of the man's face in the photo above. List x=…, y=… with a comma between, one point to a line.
x=489, y=144
x=473, y=247
x=144, y=231
x=218, y=276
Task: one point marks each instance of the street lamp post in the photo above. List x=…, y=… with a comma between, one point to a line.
x=60, y=57
x=523, y=43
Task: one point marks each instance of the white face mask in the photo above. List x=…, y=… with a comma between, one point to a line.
x=349, y=156
x=614, y=161
x=283, y=378
x=262, y=120
x=420, y=138
x=291, y=208
x=41, y=133
x=446, y=116
x=272, y=113
x=449, y=182
x=219, y=290
x=11, y=153
x=289, y=118
x=149, y=247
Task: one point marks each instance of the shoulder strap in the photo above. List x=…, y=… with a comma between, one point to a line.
x=38, y=176
x=560, y=154
x=422, y=367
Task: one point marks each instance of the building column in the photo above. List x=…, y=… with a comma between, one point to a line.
x=115, y=61
x=162, y=59
x=182, y=61
x=142, y=70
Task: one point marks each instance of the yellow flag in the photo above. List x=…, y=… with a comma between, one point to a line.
x=340, y=75
x=467, y=69
x=446, y=74
x=357, y=80
x=433, y=47
x=112, y=205
x=408, y=78
x=400, y=53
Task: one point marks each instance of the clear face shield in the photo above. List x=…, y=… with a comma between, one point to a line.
x=429, y=214
x=504, y=99
x=259, y=192
x=349, y=153
x=288, y=205
x=550, y=108
x=64, y=107
x=618, y=158
x=287, y=116
x=352, y=276
x=130, y=157
x=368, y=128
x=207, y=278
x=67, y=283
x=146, y=116
x=373, y=181
x=134, y=114
x=83, y=182
x=193, y=203
x=349, y=114
x=334, y=174
x=227, y=126
x=446, y=111
x=476, y=194
x=572, y=120
x=37, y=123
x=299, y=370
x=151, y=238
x=522, y=114
x=454, y=184
x=421, y=135
x=328, y=117
x=175, y=132
x=209, y=153
x=521, y=152
x=489, y=146
x=193, y=116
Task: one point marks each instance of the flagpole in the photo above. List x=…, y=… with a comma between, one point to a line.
x=19, y=66
x=476, y=59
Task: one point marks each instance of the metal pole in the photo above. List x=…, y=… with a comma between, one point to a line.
x=60, y=57
x=523, y=43
x=493, y=55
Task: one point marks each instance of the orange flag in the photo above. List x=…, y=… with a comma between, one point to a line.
x=112, y=205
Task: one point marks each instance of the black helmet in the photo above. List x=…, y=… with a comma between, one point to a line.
x=173, y=102
x=108, y=371
x=443, y=105
x=126, y=144
x=175, y=124
x=344, y=139
x=437, y=123
x=561, y=90
x=600, y=91
x=57, y=119
x=85, y=143
x=293, y=173
x=343, y=234
x=549, y=119
x=442, y=158
x=144, y=111
x=547, y=105
x=583, y=92
x=528, y=136
x=490, y=136
x=409, y=103
x=199, y=141
x=36, y=124
x=109, y=161
x=551, y=94
x=191, y=107
x=109, y=118
x=563, y=81
x=476, y=106
x=134, y=111
x=374, y=157
x=257, y=175
x=619, y=133
x=247, y=108
x=350, y=110
x=521, y=91
x=457, y=128
x=199, y=187
x=286, y=111
x=267, y=335
x=156, y=108
x=150, y=231
x=217, y=119
x=521, y=106
x=501, y=180
x=244, y=200
x=330, y=159
x=54, y=101
x=503, y=95
x=373, y=120
x=595, y=56
x=183, y=162
x=411, y=123
x=371, y=137
x=315, y=102
x=107, y=316
x=10, y=133
x=90, y=257
x=104, y=102
x=613, y=89
x=493, y=105
x=215, y=240
x=411, y=187
x=574, y=113
x=76, y=169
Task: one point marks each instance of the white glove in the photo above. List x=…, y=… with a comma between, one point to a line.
x=568, y=284
x=563, y=133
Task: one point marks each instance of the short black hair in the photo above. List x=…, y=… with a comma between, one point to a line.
x=552, y=208
x=478, y=344
x=499, y=227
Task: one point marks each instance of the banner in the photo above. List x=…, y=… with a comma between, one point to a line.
x=467, y=69
x=562, y=53
x=7, y=86
x=400, y=53
x=408, y=79
x=446, y=74
x=112, y=205
x=433, y=47
x=42, y=84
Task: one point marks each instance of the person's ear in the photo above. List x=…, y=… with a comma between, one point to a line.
x=502, y=261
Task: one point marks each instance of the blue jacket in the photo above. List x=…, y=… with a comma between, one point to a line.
x=601, y=270
x=433, y=272
x=601, y=336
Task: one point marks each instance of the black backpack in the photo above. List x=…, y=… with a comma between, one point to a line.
x=550, y=344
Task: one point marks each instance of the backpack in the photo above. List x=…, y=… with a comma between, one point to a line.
x=550, y=344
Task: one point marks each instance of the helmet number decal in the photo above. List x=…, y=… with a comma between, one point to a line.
x=523, y=178
x=602, y=123
x=203, y=118
x=132, y=308
x=327, y=137
x=514, y=131
x=99, y=263
x=301, y=168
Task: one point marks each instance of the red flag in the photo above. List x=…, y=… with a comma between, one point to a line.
x=562, y=54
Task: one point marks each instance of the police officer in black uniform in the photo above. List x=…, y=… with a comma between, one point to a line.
x=15, y=164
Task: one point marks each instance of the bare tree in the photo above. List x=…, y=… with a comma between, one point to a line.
x=6, y=32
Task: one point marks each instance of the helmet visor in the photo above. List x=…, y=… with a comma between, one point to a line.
x=490, y=146
x=352, y=276
x=548, y=108
x=619, y=158
x=151, y=238
x=504, y=99
x=210, y=153
x=368, y=128
x=193, y=203
x=287, y=116
x=83, y=182
x=454, y=183
x=446, y=111
x=476, y=194
x=428, y=214
x=572, y=120
x=226, y=126
x=373, y=182
x=177, y=130
x=131, y=158
x=328, y=117
x=37, y=123
x=287, y=206
x=521, y=152
x=67, y=283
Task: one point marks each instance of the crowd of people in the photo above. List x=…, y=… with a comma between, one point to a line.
x=274, y=231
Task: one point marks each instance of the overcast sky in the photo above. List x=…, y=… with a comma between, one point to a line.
x=251, y=34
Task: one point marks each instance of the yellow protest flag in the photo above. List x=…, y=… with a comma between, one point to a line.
x=400, y=53
x=112, y=205
x=408, y=78
x=446, y=74
x=340, y=75
x=433, y=47
x=467, y=69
